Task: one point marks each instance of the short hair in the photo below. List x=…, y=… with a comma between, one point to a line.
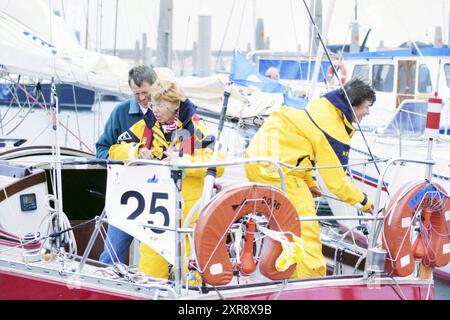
x=272, y=71
x=142, y=73
x=358, y=91
x=168, y=91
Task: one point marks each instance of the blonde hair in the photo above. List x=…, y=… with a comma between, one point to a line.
x=168, y=91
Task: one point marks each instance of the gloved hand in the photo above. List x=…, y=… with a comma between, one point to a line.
x=366, y=205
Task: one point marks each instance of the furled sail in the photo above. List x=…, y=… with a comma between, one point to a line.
x=37, y=43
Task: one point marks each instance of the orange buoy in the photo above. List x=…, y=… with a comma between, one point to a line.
x=341, y=70
x=215, y=220
x=429, y=202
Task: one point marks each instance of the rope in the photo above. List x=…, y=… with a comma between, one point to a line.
x=48, y=113
x=240, y=25
x=343, y=90
x=76, y=113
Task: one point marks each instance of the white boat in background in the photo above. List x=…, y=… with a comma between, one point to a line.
x=395, y=126
x=403, y=79
x=402, y=74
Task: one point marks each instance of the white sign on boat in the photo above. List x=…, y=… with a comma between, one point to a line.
x=143, y=195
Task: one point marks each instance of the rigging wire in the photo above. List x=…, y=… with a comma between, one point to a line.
x=297, y=42
x=30, y=109
x=311, y=42
x=86, y=18
x=15, y=97
x=76, y=114
x=219, y=55
x=240, y=25
x=63, y=9
x=399, y=16
x=185, y=46
x=327, y=53
x=48, y=113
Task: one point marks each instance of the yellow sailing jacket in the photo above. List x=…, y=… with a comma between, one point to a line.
x=192, y=140
x=317, y=136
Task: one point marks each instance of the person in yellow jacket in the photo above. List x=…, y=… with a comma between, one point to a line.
x=170, y=125
x=318, y=135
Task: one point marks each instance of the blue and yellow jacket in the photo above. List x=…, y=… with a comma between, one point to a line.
x=192, y=139
x=317, y=136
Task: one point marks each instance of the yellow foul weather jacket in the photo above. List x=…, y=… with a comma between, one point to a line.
x=319, y=135
x=194, y=142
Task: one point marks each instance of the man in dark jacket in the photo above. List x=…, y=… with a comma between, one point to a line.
x=127, y=113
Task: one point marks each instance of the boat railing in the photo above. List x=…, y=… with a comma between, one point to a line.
x=376, y=229
x=181, y=231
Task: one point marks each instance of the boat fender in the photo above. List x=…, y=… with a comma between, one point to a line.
x=248, y=264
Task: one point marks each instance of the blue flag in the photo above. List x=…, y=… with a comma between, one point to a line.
x=244, y=73
x=298, y=103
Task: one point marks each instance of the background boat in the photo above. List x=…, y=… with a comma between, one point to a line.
x=71, y=96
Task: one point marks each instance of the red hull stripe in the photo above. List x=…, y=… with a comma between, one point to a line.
x=15, y=286
x=366, y=180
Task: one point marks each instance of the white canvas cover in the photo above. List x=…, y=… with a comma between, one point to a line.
x=35, y=42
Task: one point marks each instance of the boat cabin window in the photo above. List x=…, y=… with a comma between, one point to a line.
x=406, y=76
x=383, y=77
x=447, y=74
x=409, y=120
x=424, y=79
x=361, y=71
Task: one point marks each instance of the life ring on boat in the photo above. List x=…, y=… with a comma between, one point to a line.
x=215, y=220
x=417, y=204
x=341, y=71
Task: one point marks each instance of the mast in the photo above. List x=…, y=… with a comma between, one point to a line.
x=87, y=26
x=98, y=36
x=354, y=43
x=314, y=38
x=115, y=28
x=164, y=46
x=260, y=43
x=204, y=43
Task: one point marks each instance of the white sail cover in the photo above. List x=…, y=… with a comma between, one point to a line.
x=243, y=103
x=35, y=42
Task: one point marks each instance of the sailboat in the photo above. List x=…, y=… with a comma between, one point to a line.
x=39, y=260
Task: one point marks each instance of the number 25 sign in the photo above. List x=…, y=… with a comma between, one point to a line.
x=139, y=195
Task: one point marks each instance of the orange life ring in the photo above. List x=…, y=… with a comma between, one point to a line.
x=341, y=71
x=223, y=210
x=429, y=202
